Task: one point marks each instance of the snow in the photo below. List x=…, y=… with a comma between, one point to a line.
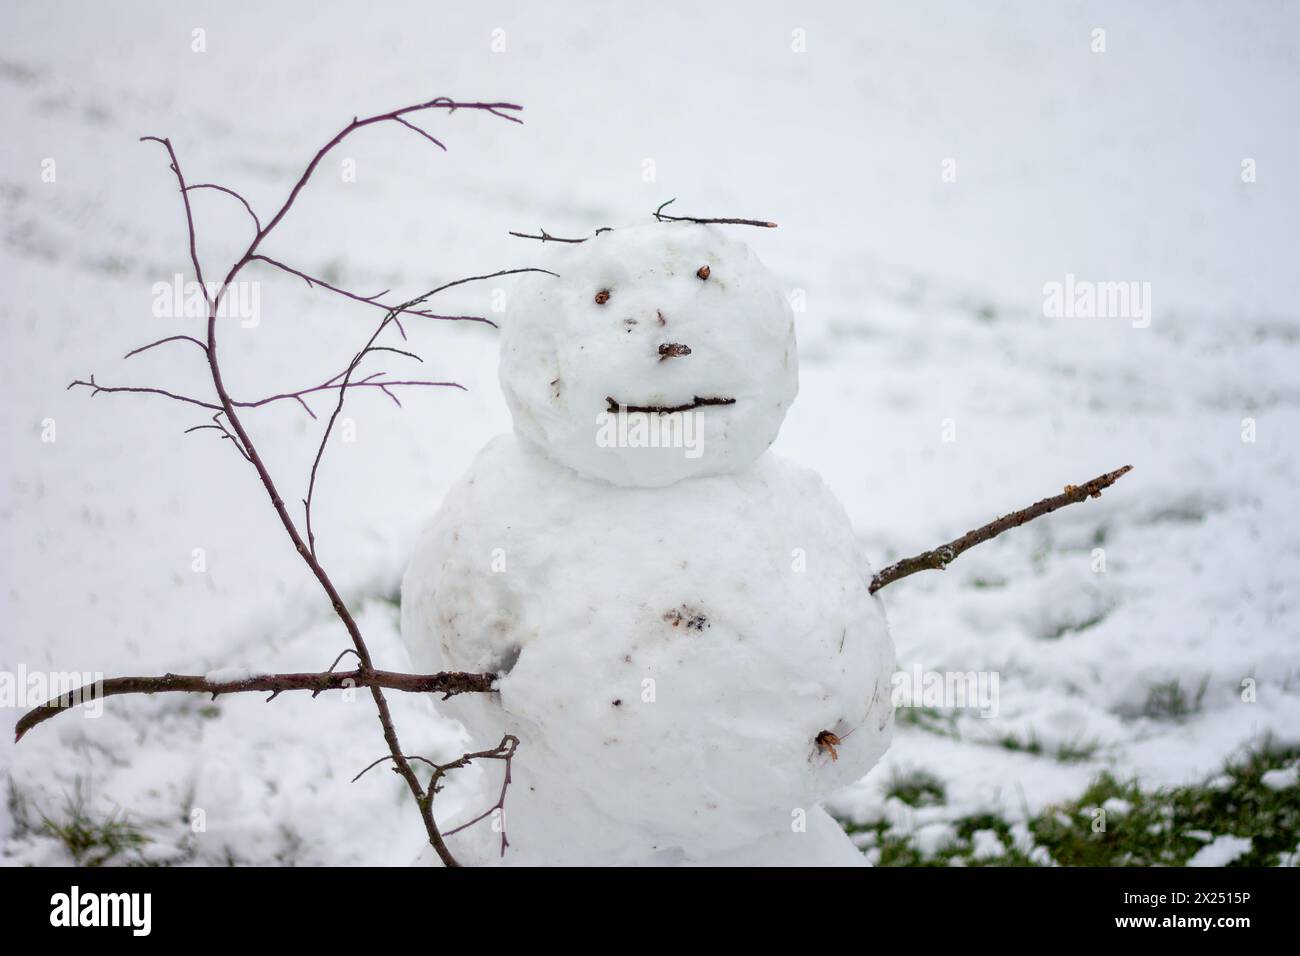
x=630, y=321
x=986, y=845
x=651, y=638
x=1117, y=807
x=224, y=675
x=1221, y=852
x=1023, y=841
x=933, y=837
x=921, y=302
x=1281, y=779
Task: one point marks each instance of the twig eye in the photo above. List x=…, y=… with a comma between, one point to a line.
x=602, y=296
x=703, y=272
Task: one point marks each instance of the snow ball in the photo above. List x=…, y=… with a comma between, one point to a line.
x=637, y=367
x=698, y=628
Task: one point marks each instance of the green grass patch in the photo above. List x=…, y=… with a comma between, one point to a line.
x=93, y=838
x=1073, y=751
x=916, y=788
x=1162, y=827
x=933, y=720
x=1168, y=700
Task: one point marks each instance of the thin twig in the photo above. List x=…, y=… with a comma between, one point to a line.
x=170, y=338
x=696, y=402
x=189, y=214
x=96, y=388
x=371, y=382
x=544, y=236
x=376, y=763
x=257, y=223
x=661, y=216
x=936, y=559
x=370, y=300
x=338, y=409
x=504, y=751
x=412, y=126
x=442, y=102
x=490, y=275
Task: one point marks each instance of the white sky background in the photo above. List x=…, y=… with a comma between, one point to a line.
x=1113, y=166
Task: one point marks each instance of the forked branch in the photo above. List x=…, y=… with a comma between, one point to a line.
x=226, y=420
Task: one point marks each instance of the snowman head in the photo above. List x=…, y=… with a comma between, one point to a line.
x=663, y=351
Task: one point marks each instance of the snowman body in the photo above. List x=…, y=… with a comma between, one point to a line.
x=687, y=648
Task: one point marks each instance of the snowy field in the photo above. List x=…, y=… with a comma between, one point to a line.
x=934, y=395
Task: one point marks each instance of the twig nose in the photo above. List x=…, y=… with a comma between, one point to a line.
x=673, y=350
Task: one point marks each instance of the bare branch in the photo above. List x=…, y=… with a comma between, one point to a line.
x=371, y=382
x=96, y=388
x=220, y=426
x=342, y=654
x=389, y=348
x=504, y=751
x=545, y=236
x=448, y=683
x=256, y=222
x=170, y=338
x=442, y=102
x=370, y=300
x=245, y=443
x=490, y=275
x=342, y=387
x=189, y=213
x=417, y=129
x=661, y=216
x=939, y=558
x=371, y=766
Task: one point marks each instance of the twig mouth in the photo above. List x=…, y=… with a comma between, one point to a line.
x=614, y=406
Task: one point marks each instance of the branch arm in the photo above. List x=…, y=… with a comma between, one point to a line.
x=447, y=683
x=936, y=559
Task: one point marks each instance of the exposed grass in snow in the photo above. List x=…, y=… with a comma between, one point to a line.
x=1249, y=815
x=941, y=723
x=1066, y=752
x=80, y=831
x=88, y=836
x=916, y=788
x=1112, y=823
x=1168, y=699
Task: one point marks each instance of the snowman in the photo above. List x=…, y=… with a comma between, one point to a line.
x=680, y=619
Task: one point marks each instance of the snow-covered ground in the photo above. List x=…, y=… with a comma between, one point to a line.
x=934, y=391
